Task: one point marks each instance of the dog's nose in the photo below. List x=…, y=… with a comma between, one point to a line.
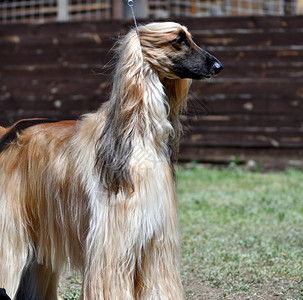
x=217, y=67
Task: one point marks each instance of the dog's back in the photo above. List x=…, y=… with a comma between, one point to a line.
x=7, y=135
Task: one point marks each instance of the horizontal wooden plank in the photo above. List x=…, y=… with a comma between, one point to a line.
x=94, y=40
x=91, y=91
x=260, y=55
x=53, y=102
x=225, y=154
x=60, y=70
x=31, y=43
x=240, y=56
x=284, y=63
x=250, y=39
x=50, y=59
x=65, y=69
x=245, y=56
x=39, y=87
x=104, y=28
x=225, y=86
x=277, y=139
x=268, y=122
x=70, y=96
x=286, y=86
x=56, y=72
x=248, y=107
x=247, y=22
x=270, y=55
x=272, y=157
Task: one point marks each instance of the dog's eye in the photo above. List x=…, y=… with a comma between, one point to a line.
x=181, y=40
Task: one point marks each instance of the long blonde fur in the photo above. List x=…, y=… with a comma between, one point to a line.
x=99, y=193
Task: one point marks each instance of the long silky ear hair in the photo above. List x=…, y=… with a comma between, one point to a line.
x=114, y=147
x=176, y=91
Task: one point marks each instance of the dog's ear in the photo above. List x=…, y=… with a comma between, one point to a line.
x=115, y=144
x=176, y=91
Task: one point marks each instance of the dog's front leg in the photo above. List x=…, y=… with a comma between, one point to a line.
x=110, y=261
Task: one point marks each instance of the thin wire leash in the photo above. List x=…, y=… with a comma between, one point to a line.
x=131, y=5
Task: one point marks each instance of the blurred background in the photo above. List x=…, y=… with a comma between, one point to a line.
x=55, y=63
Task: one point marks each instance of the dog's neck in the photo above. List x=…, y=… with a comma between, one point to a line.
x=143, y=107
x=154, y=117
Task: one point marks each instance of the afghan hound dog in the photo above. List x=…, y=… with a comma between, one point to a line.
x=98, y=194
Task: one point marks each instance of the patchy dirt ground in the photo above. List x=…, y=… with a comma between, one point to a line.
x=70, y=286
x=197, y=290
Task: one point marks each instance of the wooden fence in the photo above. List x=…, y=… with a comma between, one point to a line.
x=253, y=110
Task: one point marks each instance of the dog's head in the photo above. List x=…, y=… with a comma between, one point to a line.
x=169, y=48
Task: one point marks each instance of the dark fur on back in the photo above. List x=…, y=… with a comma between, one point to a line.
x=12, y=134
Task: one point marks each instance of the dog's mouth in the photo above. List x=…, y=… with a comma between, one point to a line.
x=207, y=77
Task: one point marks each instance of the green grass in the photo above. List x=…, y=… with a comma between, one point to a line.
x=241, y=232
